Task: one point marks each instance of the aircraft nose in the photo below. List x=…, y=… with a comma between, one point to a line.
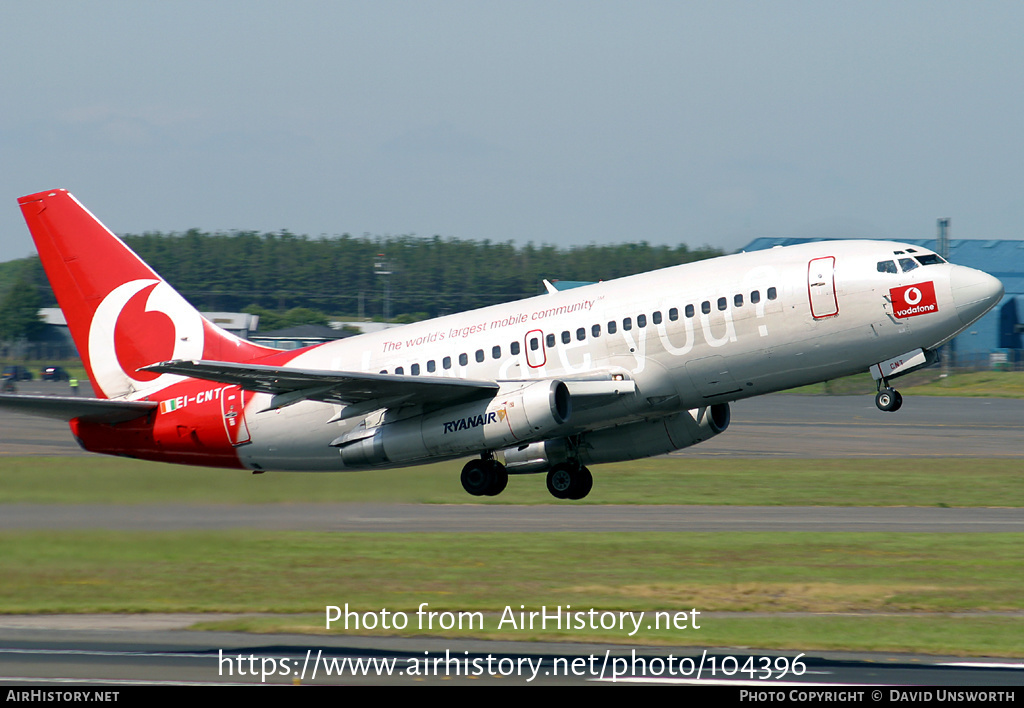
x=974, y=292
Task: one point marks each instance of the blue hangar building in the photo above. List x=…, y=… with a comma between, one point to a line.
x=997, y=339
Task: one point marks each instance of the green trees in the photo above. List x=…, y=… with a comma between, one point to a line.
x=19, y=308
x=278, y=272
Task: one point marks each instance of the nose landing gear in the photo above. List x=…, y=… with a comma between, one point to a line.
x=887, y=399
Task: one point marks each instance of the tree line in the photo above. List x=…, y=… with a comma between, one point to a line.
x=348, y=276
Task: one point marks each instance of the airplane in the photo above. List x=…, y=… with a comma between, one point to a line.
x=610, y=371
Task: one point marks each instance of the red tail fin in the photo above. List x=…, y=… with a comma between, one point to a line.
x=122, y=315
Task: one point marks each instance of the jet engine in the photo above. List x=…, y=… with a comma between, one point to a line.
x=518, y=413
x=625, y=442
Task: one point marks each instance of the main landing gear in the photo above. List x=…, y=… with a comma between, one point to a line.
x=487, y=478
x=484, y=478
x=887, y=399
x=569, y=480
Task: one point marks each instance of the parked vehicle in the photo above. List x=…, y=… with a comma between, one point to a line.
x=17, y=373
x=54, y=373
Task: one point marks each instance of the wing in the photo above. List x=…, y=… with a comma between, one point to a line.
x=346, y=388
x=96, y=410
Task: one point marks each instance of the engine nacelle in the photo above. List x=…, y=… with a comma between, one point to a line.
x=518, y=413
x=625, y=442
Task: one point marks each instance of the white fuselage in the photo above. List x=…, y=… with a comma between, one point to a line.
x=687, y=336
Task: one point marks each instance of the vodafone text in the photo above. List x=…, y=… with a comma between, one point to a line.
x=544, y=618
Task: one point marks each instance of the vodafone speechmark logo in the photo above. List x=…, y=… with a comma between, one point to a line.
x=138, y=323
x=914, y=300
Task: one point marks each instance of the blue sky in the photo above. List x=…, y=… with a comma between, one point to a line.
x=553, y=122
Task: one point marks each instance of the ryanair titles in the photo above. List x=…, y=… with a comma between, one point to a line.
x=473, y=421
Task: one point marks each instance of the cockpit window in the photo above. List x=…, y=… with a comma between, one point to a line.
x=927, y=259
x=908, y=264
x=887, y=267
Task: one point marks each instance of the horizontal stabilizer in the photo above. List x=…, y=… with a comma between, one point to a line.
x=94, y=410
x=338, y=387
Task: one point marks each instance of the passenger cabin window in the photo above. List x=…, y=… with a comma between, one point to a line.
x=431, y=366
x=463, y=359
x=627, y=324
x=399, y=370
x=772, y=293
x=566, y=337
x=673, y=314
x=690, y=311
x=887, y=267
x=514, y=348
x=479, y=355
x=414, y=369
x=447, y=362
x=641, y=320
x=656, y=317
x=495, y=352
x=550, y=340
x=595, y=331
x=738, y=300
x=611, y=327
x=705, y=307
x=722, y=303
x=755, y=297
x=581, y=334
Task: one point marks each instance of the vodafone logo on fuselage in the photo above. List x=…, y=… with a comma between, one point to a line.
x=141, y=322
x=914, y=300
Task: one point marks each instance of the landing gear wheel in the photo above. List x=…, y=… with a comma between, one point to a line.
x=889, y=400
x=475, y=479
x=569, y=481
x=584, y=483
x=560, y=481
x=484, y=478
x=499, y=478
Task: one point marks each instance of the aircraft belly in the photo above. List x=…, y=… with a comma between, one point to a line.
x=294, y=438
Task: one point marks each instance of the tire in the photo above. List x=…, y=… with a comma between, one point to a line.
x=475, y=478
x=888, y=400
x=560, y=478
x=582, y=484
x=498, y=477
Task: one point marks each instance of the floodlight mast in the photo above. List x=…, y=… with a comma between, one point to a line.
x=382, y=267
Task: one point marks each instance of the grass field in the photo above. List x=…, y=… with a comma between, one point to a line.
x=929, y=382
x=665, y=481
x=832, y=482
x=908, y=585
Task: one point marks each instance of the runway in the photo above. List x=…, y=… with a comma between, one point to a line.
x=470, y=518
x=122, y=657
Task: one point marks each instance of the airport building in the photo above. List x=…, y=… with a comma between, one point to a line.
x=997, y=339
